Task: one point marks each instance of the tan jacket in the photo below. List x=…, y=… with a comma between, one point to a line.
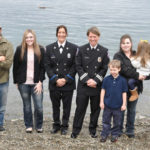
x=6, y=49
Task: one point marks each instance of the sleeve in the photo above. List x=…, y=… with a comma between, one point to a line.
x=9, y=58
x=104, y=84
x=100, y=75
x=83, y=76
x=16, y=63
x=70, y=77
x=42, y=68
x=51, y=75
x=125, y=86
x=126, y=69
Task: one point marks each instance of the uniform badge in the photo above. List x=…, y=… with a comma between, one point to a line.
x=87, y=49
x=99, y=59
x=54, y=47
x=98, y=50
x=68, y=55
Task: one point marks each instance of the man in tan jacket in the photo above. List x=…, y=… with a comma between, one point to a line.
x=6, y=58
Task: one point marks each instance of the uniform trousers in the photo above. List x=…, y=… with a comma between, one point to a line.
x=82, y=103
x=56, y=97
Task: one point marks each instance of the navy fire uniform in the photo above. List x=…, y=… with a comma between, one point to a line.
x=61, y=65
x=90, y=64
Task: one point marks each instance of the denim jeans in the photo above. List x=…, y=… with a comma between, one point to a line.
x=108, y=114
x=3, y=100
x=132, y=83
x=131, y=114
x=26, y=91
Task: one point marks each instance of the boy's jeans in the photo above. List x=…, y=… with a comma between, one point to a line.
x=3, y=100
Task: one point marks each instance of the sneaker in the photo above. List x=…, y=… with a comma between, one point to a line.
x=103, y=139
x=39, y=130
x=2, y=128
x=29, y=130
x=114, y=139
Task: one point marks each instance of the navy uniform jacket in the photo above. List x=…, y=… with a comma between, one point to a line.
x=61, y=65
x=91, y=64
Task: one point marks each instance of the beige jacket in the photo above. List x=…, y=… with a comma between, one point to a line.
x=6, y=49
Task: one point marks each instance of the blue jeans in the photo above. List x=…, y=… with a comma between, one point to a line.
x=131, y=113
x=3, y=100
x=132, y=83
x=26, y=91
x=108, y=114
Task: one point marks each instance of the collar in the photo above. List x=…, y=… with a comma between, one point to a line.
x=93, y=47
x=115, y=78
x=63, y=44
x=3, y=40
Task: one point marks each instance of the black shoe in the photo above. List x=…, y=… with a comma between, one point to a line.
x=131, y=136
x=93, y=135
x=103, y=139
x=2, y=128
x=73, y=135
x=64, y=131
x=114, y=139
x=54, y=130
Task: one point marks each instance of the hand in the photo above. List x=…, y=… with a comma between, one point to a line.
x=102, y=106
x=2, y=58
x=61, y=82
x=91, y=83
x=38, y=88
x=123, y=107
x=141, y=77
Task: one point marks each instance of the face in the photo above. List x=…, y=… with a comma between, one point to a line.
x=126, y=45
x=61, y=35
x=114, y=71
x=93, y=39
x=29, y=39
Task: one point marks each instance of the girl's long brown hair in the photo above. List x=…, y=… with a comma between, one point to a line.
x=143, y=52
x=24, y=47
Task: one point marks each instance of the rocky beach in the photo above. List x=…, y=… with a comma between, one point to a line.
x=15, y=137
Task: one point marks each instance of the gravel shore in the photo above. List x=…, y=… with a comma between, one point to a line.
x=15, y=138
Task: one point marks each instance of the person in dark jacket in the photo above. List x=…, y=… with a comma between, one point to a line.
x=91, y=64
x=128, y=71
x=28, y=74
x=60, y=68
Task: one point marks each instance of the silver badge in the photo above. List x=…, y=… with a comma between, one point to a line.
x=87, y=49
x=99, y=59
x=97, y=49
x=54, y=47
x=68, y=55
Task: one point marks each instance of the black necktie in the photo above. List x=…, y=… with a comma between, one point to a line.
x=61, y=49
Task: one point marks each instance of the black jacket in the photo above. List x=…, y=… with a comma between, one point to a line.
x=127, y=70
x=91, y=64
x=61, y=65
x=20, y=67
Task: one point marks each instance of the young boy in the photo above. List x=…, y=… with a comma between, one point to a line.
x=113, y=101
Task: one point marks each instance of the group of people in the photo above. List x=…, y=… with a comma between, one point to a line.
x=62, y=60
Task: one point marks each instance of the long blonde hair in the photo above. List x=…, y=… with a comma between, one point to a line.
x=24, y=47
x=143, y=52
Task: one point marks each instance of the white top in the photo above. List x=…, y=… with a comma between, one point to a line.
x=142, y=70
x=30, y=68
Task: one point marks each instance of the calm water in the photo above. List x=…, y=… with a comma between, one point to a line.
x=113, y=17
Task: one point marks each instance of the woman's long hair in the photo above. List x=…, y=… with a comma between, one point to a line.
x=24, y=47
x=125, y=36
x=143, y=52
